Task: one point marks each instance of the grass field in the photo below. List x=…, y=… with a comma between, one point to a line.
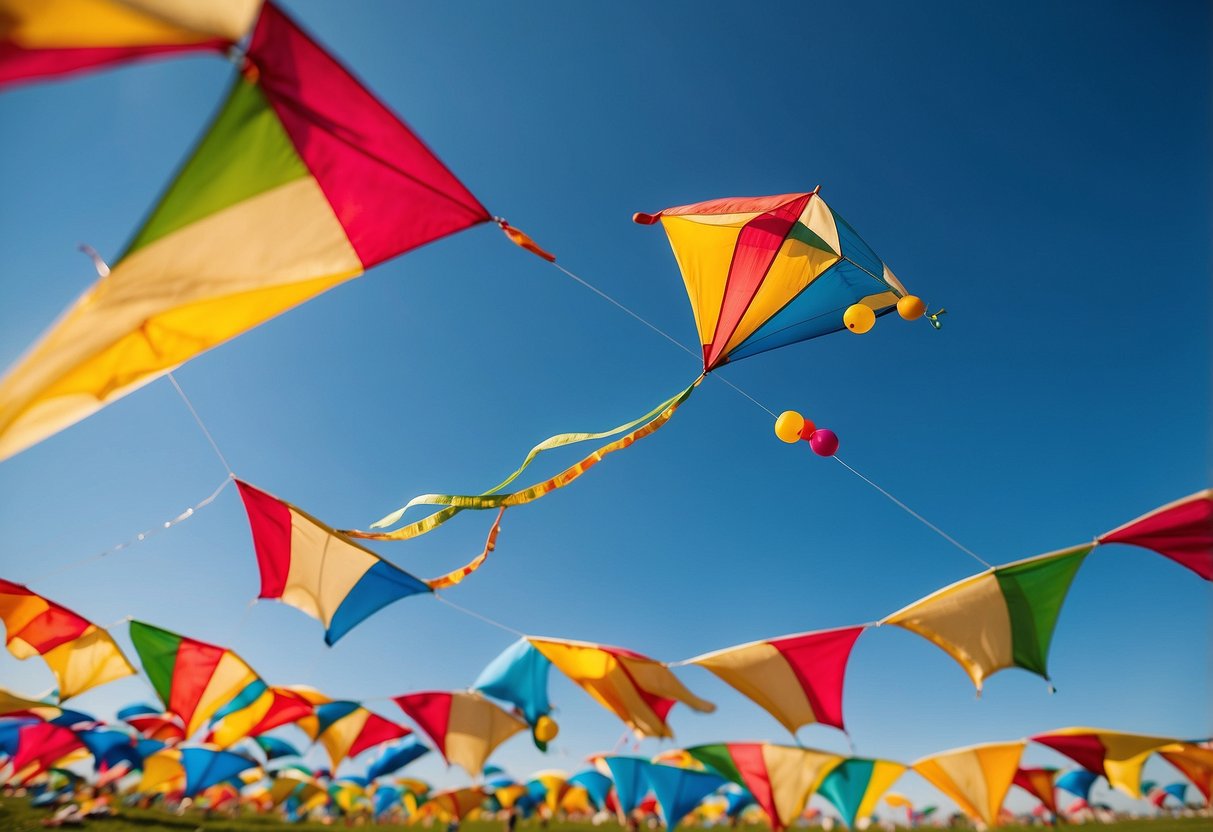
x=17, y=816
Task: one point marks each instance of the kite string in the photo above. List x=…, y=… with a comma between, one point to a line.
x=140, y=537
x=919, y=517
x=201, y=425
x=483, y=618
x=773, y=414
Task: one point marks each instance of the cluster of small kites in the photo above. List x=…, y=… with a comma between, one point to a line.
x=303, y=181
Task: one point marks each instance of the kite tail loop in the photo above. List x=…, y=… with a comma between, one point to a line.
x=934, y=318
x=523, y=240
x=638, y=429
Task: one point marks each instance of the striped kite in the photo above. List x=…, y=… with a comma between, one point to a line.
x=1116, y=755
x=855, y=786
x=796, y=679
x=465, y=726
x=80, y=654
x=303, y=181
x=781, y=778
x=1041, y=783
x=639, y=690
x=1002, y=618
x=977, y=778
x=346, y=729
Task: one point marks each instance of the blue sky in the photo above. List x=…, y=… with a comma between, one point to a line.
x=1040, y=170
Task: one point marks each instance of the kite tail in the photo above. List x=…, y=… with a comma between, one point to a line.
x=639, y=428
x=934, y=318
x=456, y=576
x=523, y=240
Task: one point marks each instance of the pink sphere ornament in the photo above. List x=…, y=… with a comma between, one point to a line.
x=824, y=442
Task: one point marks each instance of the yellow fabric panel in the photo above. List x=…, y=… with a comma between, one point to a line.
x=11, y=702
x=18, y=611
x=704, y=252
x=884, y=774
x=324, y=568
x=231, y=676
x=794, y=774
x=92, y=659
x=173, y=299
x=657, y=678
x=161, y=768
x=795, y=266
x=49, y=24
x=474, y=728
x=761, y=673
x=342, y=733
x=968, y=620
x=1124, y=755
x=235, y=726
x=976, y=778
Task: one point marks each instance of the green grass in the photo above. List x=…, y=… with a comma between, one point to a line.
x=17, y=816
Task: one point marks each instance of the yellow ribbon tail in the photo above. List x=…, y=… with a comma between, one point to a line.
x=456, y=576
x=649, y=424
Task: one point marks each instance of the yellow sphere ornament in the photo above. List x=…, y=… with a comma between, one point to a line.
x=788, y=426
x=859, y=318
x=911, y=307
x=546, y=729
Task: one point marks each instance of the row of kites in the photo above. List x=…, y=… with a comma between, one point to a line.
x=139, y=757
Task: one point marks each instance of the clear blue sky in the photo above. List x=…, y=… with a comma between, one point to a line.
x=1039, y=169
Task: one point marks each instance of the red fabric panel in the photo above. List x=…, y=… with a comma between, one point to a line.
x=1038, y=782
x=196, y=662
x=724, y=205
x=376, y=730
x=389, y=192
x=286, y=707
x=19, y=65
x=819, y=661
x=270, y=520
x=750, y=764
x=43, y=744
x=432, y=711
x=1084, y=749
x=757, y=245
x=54, y=627
x=1182, y=531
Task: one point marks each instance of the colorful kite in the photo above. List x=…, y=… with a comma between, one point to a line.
x=781, y=778
x=1181, y=531
x=856, y=785
x=519, y=675
x=977, y=778
x=16, y=705
x=596, y=784
x=40, y=745
x=631, y=781
x=303, y=181
x=274, y=748
x=1002, y=618
x=80, y=654
x=192, y=678
x=1116, y=755
x=49, y=38
x=639, y=690
x=1040, y=783
x=454, y=804
x=346, y=729
x=465, y=726
x=796, y=679
x=765, y=272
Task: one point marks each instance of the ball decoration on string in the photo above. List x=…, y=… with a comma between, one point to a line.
x=807, y=430
x=911, y=307
x=859, y=318
x=788, y=426
x=546, y=729
x=824, y=442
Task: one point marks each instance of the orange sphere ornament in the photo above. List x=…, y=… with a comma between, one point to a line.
x=546, y=729
x=788, y=426
x=911, y=307
x=807, y=430
x=859, y=318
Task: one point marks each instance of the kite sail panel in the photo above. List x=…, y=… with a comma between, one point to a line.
x=79, y=653
x=765, y=272
x=1181, y=531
